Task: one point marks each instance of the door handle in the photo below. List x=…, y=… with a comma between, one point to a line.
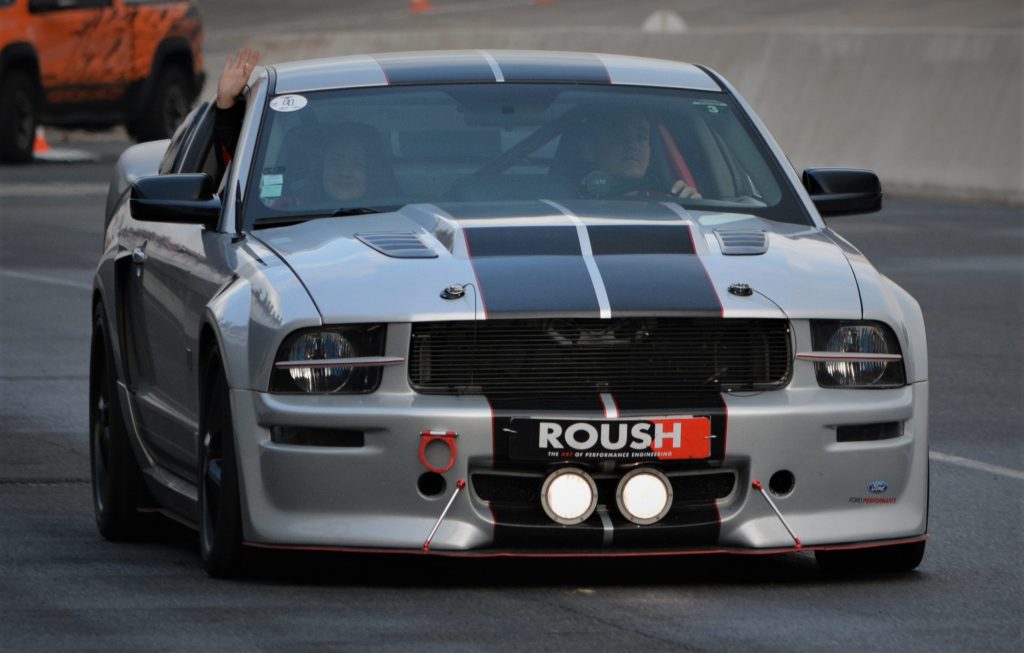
x=138, y=255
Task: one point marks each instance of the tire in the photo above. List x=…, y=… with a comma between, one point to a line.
x=117, y=485
x=172, y=99
x=220, y=515
x=19, y=115
x=897, y=558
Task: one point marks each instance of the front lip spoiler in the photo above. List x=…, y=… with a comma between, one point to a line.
x=592, y=553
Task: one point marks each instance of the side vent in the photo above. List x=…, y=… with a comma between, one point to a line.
x=742, y=242
x=397, y=245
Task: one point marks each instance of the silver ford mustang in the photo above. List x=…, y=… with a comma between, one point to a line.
x=502, y=303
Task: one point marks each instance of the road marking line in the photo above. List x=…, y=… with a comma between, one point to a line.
x=43, y=279
x=55, y=189
x=976, y=464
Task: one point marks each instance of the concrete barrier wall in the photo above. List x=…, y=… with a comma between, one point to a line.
x=937, y=114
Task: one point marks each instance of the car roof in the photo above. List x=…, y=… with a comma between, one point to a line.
x=483, y=66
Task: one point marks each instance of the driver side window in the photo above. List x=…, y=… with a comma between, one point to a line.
x=197, y=154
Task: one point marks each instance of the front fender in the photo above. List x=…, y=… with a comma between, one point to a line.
x=249, y=317
x=882, y=299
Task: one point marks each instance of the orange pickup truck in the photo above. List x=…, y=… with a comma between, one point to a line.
x=95, y=64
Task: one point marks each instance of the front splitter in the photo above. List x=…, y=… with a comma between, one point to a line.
x=593, y=553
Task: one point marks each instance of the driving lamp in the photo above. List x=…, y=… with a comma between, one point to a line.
x=644, y=495
x=569, y=496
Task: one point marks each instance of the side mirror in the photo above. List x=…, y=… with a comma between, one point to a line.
x=183, y=199
x=842, y=191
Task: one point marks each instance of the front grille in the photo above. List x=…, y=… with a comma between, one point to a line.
x=629, y=357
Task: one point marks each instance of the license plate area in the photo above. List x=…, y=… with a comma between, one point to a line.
x=679, y=437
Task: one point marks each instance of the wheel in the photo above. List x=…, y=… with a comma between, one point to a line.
x=883, y=559
x=117, y=485
x=19, y=114
x=220, y=515
x=169, y=105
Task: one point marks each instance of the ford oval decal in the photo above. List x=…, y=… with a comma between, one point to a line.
x=878, y=487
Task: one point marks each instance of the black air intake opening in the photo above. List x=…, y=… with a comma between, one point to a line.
x=316, y=437
x=869, y=432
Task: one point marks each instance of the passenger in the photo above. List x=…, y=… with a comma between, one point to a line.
x=617, y=151
x=230, y=106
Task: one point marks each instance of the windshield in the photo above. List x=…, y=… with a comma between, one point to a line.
x=328, y=152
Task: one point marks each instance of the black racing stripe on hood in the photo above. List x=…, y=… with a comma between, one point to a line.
x=640, y=239
x=538, y=67
x=532, y=272
x=652, y=270
x=435, y=68
x=524, y=241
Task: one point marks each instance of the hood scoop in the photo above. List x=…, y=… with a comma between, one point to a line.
x=397, y=244
x=742, y=242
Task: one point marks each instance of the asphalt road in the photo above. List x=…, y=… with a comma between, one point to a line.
x=64, y=588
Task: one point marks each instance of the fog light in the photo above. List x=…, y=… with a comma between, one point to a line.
x=644, y=495
x=569, y=495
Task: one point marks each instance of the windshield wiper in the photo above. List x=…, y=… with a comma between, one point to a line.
x=354, y=210
x=285, y=220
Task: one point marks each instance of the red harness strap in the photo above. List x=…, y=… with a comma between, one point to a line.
x=676, y=157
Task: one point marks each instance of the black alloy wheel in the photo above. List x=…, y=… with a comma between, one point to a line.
x=117, y=486
x=220, y=516
x=19, y=114
x=896, y=558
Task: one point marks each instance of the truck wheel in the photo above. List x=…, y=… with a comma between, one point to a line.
x=171, y=101
x=19, y=113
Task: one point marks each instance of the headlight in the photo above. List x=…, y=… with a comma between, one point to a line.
x=855, y=355
x=346, y=359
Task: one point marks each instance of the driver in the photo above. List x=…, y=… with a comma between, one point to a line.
x=617, y=150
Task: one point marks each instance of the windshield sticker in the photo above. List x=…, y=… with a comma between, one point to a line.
x=711, y=106
x=270, y=186
x=287, y=103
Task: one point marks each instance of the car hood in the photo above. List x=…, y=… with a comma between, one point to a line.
x=574, y=259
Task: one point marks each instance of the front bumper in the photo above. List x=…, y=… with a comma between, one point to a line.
x=367, y=497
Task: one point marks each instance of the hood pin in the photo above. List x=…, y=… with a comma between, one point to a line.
x=453, y=291
x=741, y=290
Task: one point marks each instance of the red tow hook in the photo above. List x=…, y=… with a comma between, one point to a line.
x=458, y=488
x=757, y=486
x=445, y=437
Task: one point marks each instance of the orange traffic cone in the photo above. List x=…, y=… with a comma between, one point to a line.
x=40, y=146
x=420, y=6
